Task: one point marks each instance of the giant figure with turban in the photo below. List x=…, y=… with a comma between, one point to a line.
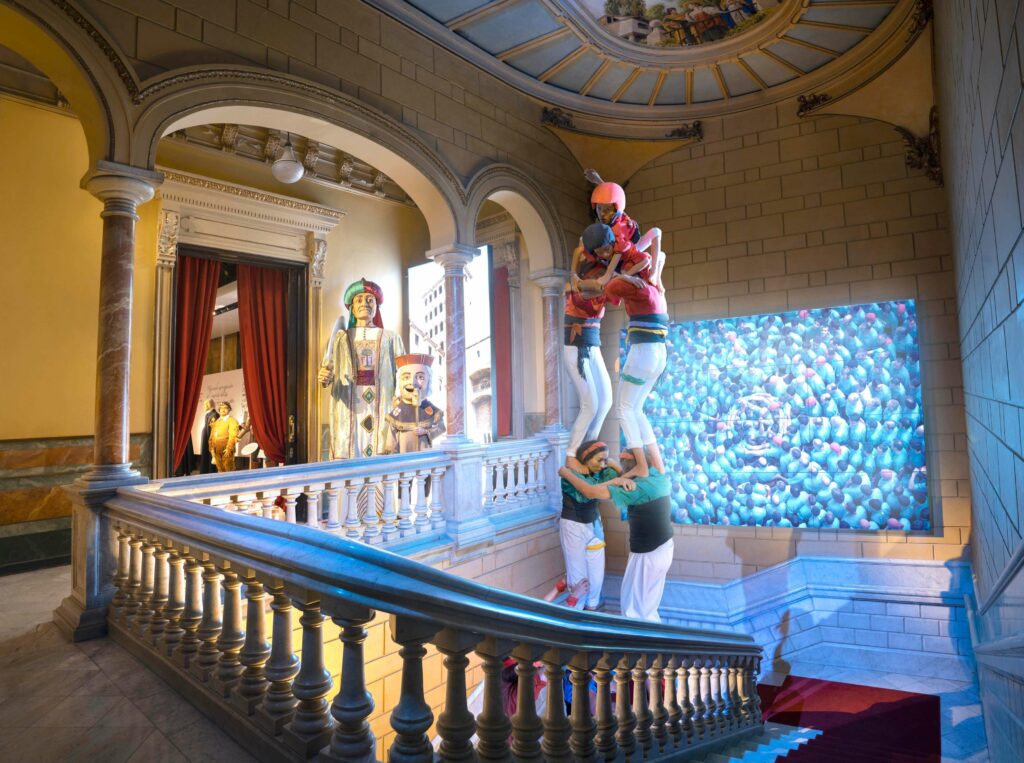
x=358, y=368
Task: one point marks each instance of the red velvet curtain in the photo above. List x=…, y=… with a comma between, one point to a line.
x=262, y=319
x=501, y=307
x=196, y=297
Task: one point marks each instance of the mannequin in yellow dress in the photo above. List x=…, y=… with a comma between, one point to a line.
x=223, y=437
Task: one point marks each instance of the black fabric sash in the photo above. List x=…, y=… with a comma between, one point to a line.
x=650, y=525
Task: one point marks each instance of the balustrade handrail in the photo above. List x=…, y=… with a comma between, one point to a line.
x=197, y=487
x=346, y=573
x=506, y=448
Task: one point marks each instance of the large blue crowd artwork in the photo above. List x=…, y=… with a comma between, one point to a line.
x=799, y=419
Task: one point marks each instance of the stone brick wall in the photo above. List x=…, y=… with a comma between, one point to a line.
x=467, y=116
x=983, y=151
x=771, y=213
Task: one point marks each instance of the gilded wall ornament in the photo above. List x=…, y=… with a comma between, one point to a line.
x=810, y=102
x=925, y=153
x=556, y=117
x=693, y=130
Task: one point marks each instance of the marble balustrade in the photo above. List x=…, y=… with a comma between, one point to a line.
x=406, y=492
x=207, y=599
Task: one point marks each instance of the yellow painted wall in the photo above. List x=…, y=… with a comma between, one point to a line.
x=50, y=234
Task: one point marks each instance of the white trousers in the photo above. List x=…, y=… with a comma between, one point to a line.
x=644, y=582
x=595, y=393
x=580, y=561
x=639, y=373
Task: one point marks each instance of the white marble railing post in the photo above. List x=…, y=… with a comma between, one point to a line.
x=232, y=636
x=454, y=259
x=333, y=495
x=210, y=626
x=120, y=598
x=389, y=518
x=437, y=518
x=422, y=522
x=353, y=526
x=313, y=507
x=161, y=581
x=193, y=614
x=312, y=724
x=467, y=521
x=145, y=611
x=175, y=602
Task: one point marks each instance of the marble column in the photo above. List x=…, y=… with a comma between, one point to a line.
x=454, y=259
x=552, y=283
x=121, y=189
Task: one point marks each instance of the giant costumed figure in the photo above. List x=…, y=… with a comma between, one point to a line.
x=413, y=423
x=358, y=368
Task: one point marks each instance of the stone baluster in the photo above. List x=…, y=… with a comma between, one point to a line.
x=526, y=724
x=209, y=629
x=313, y=507
x=412, y=716
x=353, y=525
x=406, y=526
x=145, y=612
x=437, y=520
x=333, y=496
x=389, y=518
x=490, y=481
x=456, y=725
x=624, y=715
x=724, y=710
x=121, y=577
x=641, y=707
x=493, y=726
x=659, y=713
x=232, y=636
x=555, y=744
x=717, y=683
x=352, y=740
x=604, y=715
x=279, y=702
x=158, y=622
x=312, y=725
x=289, y=505
x=188, y=647
x=175, y=602
x=755, y=697
x=267, y=507
x=675, y=712
x=685, y=704
x=707, y=699
x=422, y=520
x=538, y=475
x=735, y=703
x=697, y=698
x=372, y=530
x=520, y=483
x=253, y=685
x=743, y=689
x=131, y=607
x=583, y=726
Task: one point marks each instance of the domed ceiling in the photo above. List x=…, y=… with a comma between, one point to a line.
x=667, y=60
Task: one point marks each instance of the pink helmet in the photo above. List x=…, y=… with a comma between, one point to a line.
x=609, y=193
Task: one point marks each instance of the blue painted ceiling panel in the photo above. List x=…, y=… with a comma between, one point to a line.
x=574, y=76
x=641, y=89
x=737, y=79
x=539, y=60
x=611, y=81
x=673, y=90
x=705, y=87
x=803, y=58
x=446, y=10
x=834, y=39
x=768, y=69
x=512, y=26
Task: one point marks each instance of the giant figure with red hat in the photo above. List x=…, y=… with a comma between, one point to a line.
x=358, y=369
x=414, y=422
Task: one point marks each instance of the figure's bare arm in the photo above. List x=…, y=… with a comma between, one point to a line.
x=585, y=488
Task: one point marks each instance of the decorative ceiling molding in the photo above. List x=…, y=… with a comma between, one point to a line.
x=558, y=53
x=925, y=153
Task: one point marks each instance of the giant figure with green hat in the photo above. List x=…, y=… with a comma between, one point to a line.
x=358, y=370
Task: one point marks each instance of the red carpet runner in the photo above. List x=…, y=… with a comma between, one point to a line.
x=861, y=723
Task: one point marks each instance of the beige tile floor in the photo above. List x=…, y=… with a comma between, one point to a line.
x=91, y=702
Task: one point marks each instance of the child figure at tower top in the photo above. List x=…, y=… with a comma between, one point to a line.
x=629, y=255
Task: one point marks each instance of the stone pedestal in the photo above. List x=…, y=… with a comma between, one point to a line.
x=454, y=259
x=121, y=189
x=552, y=283
x=466, y=522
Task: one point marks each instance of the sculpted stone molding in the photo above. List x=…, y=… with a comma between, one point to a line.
x=167, y=243
x=694, y=130
x=925, y=153
x=317, y=256
x=924, y=12
x=810, y=102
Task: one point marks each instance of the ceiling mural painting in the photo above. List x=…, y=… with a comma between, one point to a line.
x=660, y=62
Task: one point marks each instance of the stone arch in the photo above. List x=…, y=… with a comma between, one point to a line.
x=86, y=67
x=278, y=101
x=529, y=207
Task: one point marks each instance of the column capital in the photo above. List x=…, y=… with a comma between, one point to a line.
x=453, y=257
x=551, y=280
x=121, y=187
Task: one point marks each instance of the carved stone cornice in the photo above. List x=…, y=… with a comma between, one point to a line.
x=925, y=153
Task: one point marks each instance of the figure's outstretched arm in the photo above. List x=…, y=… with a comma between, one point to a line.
x=587, y=490
x=609, y=272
